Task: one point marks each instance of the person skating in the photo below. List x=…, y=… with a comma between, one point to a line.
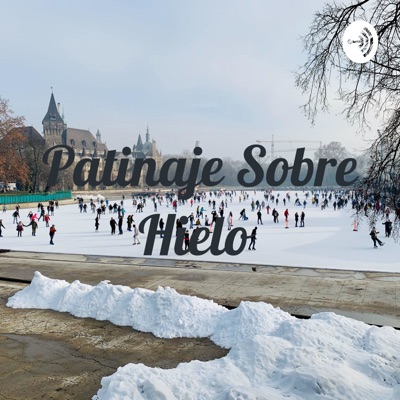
x=15, y=217
x=47, y=219
x=1, y=226
x=20, y=228
x=374, y=237
x=113, y=224
x=135, y=234
x=52, y=232
x=161, y=226
x=120, y=222
x=286, y=214
x=187, y=239
x=296, y=219
x=178, y=225
x=253, y=238
x=42, y=213
x=230, y=221
x=191, y=220
x=96, y=223
x=259, y=217
x=302, y=216
x=34, y=226
x=275, y=214
x=388, y=227
x=129, y=222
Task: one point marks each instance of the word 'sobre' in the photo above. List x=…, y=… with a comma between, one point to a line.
x=280, y=166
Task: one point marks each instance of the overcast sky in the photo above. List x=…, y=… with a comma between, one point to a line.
x=220, y=72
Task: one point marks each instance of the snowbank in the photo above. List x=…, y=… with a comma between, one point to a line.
x=273, y=355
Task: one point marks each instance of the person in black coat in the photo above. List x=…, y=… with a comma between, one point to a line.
x=120, y=222
x=161, y=226
x=187, y=239
x=15, y=216
x=253, y=238
x=259, y=216
x=34, y=226
x=302, y=216
x=388, y=227
x=129, y=222
x=374, y=237
x=113, y=224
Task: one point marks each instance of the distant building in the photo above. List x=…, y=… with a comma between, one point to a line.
x=85, y=145
x=55, y=131
x=148, y=149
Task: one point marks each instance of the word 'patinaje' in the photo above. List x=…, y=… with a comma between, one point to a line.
x=124, y=178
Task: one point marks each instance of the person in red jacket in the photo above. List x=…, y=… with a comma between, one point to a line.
x=286, y=214
x=52, y=233
x=47, y=219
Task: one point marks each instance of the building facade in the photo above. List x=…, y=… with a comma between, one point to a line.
x=86, y=145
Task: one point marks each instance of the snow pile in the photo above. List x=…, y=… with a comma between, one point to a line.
x=273, y=355
x=92, y=197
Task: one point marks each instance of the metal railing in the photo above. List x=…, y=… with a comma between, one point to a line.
x=34, y=198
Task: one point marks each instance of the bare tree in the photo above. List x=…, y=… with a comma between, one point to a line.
x=373, y=86
x=333, y=150
x=369, y=90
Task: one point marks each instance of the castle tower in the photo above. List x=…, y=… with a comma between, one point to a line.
x=98, y=136
x=53, y=124
x=139, y=144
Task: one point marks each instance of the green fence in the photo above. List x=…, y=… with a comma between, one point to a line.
x=34, y=198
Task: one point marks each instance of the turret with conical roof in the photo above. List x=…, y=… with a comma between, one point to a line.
x=139, y=145
x=53, y=124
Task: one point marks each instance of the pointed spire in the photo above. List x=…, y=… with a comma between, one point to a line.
x=147, y=134
x=98, y=136
x=139, y=145
x=52, y=112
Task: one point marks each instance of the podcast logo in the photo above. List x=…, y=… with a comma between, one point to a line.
x=360, y=42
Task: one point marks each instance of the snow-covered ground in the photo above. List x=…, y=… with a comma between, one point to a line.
x=272, y=354
x=326, y=241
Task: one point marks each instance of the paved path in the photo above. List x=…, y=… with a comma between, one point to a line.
x=372, y=297
x=46, y=354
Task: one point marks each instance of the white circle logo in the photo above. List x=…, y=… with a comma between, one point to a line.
x=360, y=42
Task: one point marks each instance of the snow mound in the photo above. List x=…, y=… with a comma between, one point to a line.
x=272, y=354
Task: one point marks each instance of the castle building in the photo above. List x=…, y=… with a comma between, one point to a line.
x=85, y=145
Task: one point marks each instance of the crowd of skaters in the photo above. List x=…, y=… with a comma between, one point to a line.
x=206, y=207
x=43, y=213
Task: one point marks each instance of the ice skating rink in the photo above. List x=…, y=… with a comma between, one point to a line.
x=326, y=241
